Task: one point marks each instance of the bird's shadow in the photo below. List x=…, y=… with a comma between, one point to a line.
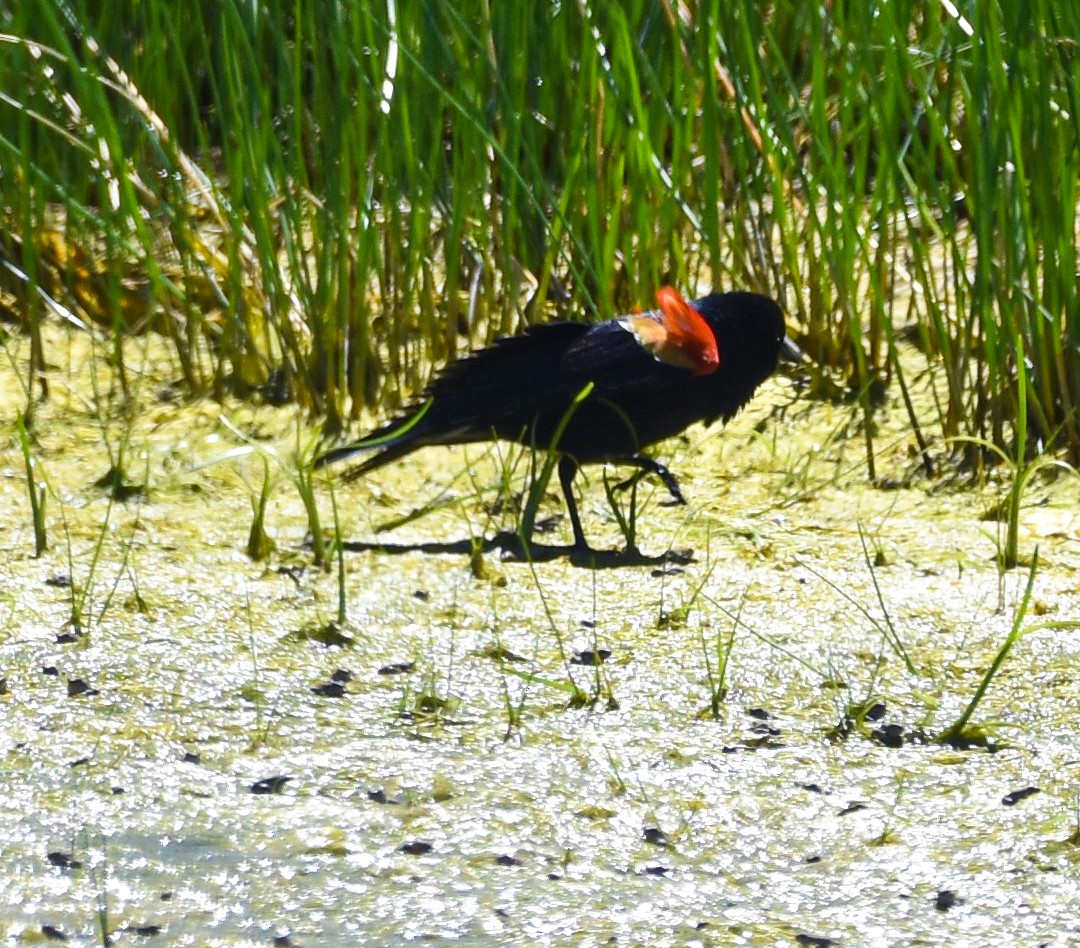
x=511, y=547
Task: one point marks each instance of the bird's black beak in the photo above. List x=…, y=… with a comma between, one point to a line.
x=789, y=352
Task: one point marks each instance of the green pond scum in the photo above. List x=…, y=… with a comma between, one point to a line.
x=243, y=703
x=741, y=749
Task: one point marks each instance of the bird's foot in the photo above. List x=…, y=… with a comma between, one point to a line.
x=649, y=466
x=630, y=481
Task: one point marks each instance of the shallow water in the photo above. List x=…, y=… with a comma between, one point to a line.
x=636, y=817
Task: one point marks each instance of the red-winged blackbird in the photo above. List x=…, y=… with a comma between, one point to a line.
x=651, y=374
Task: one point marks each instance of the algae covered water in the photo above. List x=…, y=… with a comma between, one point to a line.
x=736, y=750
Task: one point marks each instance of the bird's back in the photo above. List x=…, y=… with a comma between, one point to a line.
x=521, y=387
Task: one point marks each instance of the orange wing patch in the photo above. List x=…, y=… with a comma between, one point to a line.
x=677, y=334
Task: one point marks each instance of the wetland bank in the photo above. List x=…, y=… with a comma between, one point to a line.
x=218, y=728
x=443, y=782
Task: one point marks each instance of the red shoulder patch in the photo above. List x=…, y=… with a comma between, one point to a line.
x=677, y=335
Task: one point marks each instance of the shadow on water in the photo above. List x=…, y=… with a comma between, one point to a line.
x=511, y=547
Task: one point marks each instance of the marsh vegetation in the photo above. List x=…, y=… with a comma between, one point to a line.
x=237, y=709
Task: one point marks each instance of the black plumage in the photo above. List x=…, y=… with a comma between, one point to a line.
x=520, y=389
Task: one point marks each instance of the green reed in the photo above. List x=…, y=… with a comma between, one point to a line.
x=322, y=201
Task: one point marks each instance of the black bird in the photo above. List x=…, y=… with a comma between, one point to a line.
x=649, y=375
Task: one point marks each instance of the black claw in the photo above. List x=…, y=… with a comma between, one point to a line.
x=647, y=465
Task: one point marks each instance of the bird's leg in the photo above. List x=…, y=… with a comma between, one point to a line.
x=567, y=469
x=648, y=465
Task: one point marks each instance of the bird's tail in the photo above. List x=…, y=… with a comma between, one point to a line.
x=396, y=440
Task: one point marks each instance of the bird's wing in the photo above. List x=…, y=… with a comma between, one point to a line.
x=513, y=378
x=519, y=376
x=611, y=357
x=510, y=367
